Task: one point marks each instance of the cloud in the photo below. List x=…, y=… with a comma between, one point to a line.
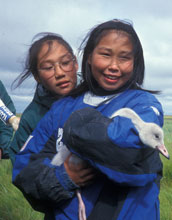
x=22, y=95
x=166, y=102
x=21, y=20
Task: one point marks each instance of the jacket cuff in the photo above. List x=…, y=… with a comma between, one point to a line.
x=64, y=179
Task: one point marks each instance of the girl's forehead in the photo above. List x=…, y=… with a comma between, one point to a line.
x=115, y=38
x=52, y=48
x=116, y=33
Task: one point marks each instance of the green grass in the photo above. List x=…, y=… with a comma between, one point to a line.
x=13, y=206
x=166, y=182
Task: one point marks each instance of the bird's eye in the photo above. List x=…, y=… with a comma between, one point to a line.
x=156, y=136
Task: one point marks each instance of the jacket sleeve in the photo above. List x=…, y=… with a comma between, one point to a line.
x=113, y=145
x=19, y=138
x=6, y=132
x=44, y=185
x=28, y=121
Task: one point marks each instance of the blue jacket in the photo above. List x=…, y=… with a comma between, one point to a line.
x=129, y=185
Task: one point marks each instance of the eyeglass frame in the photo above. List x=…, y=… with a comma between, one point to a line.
x=59, y=64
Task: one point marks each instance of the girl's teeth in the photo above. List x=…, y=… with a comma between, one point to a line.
x=111, y=77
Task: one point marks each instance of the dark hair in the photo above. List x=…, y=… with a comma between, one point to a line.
x=90, y=42
x=30, y=67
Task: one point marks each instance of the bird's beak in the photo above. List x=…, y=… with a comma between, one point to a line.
x=162, y=149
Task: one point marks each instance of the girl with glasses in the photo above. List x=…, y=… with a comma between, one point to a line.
x=53, y=81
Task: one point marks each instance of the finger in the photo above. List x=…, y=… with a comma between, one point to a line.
x=90, y=180
x=83, y=181
x=78, y=167
x=86, y=172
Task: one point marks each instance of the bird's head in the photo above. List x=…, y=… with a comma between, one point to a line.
x=152, y=135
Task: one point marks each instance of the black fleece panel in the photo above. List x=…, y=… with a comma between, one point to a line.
x=41, y=193
x=110, y=202
x=85, y=132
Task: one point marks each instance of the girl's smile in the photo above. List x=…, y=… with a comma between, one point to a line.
x=111, y=78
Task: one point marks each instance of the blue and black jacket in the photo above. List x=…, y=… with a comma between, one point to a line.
x=129, y=185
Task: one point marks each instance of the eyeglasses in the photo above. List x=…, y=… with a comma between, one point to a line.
x=66, y=64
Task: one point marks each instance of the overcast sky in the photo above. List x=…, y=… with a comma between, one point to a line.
x=20, y=20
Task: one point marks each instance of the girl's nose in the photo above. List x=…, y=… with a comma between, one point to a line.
x=114, y=65
x=114, y=62
x=58, y=72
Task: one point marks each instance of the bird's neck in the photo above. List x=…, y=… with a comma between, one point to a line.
x=129, y=113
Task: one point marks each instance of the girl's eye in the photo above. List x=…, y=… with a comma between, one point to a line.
x=124, y=58
x=47, y=68
x=65, y=63
x=105, y=54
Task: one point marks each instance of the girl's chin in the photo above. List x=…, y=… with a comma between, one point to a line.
x=111, y=88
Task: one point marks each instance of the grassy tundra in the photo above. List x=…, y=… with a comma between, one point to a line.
x=14, y=207
x=166, y=182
